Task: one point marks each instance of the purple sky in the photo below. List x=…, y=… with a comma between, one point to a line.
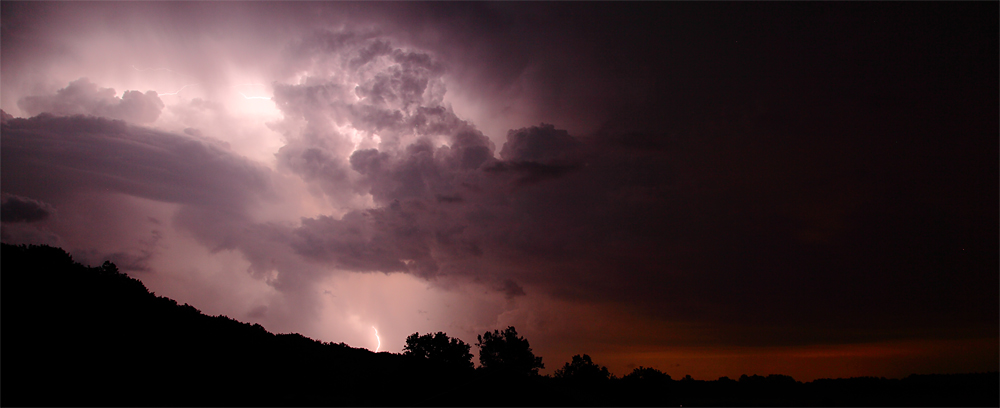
x=705, y=188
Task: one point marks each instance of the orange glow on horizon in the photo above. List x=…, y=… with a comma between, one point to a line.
x=891, y=359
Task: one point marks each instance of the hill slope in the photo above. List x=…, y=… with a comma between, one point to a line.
x=92, y=336
x=77, y=335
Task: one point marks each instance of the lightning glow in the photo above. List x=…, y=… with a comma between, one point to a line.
x=255, y=97
x=154, y=69
x=175, y=92
x=376, y=338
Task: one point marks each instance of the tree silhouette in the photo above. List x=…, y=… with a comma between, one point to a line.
x=506, y=353
x=582, y=368
x=440, y=348
x=646, y=374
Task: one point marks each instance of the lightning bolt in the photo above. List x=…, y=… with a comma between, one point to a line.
x=376, y=338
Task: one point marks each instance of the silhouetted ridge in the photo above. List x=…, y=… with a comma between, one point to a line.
x=77, y=335
x=93, y=336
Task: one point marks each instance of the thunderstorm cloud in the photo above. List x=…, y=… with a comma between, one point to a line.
x=637, y=178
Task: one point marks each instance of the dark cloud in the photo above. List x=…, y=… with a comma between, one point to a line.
x=56, y=155
x=384, y=240
x=15, y=208
x=82, y=97
x=732, y=217
x=532, y=172
x=775, y=180
x=511, y=289
x=542, y=144
x=649, y=229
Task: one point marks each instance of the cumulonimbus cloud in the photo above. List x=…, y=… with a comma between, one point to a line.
x=82, y=97
x=638, y=218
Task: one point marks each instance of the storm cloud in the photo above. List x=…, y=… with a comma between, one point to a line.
x=82, y=97
x=60, y=154
x=15, y=208
x=643, y=177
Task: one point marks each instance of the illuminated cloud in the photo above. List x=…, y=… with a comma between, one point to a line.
x=83, y=97
x=636, y=177
x=93, y=153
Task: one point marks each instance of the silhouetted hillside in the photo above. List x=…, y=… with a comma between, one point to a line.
x=87, y=336
x=76, y=335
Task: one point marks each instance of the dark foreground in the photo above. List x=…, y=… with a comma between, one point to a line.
x=82, y=336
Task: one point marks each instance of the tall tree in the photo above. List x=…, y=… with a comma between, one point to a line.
x=507, y=353
x=440, y=348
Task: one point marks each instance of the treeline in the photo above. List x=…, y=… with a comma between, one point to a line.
x=92, y=336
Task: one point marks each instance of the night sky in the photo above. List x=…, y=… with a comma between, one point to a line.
x=712, y=189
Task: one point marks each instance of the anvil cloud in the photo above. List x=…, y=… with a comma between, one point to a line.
x=709, y=189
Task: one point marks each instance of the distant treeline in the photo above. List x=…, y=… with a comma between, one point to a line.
x=92, y=336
